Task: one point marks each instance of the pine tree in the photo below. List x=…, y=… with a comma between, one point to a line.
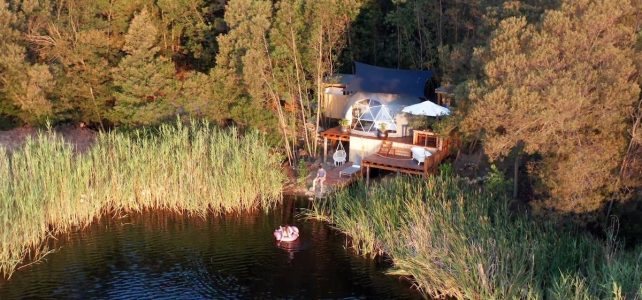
x=144, y=82
x=24, y=87
x=562, y=89
x=189, y=29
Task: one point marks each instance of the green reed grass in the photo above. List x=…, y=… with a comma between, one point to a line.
x=463, y=241
x=47, y=188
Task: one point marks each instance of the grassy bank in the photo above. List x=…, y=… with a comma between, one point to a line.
x=459, y=240
x=46, y=188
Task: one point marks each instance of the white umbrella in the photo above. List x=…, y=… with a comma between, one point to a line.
x=426, y=108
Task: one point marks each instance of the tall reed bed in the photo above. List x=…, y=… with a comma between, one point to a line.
x=463, y=241
x=47, y=188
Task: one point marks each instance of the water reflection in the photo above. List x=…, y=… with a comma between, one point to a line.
x=164, y=255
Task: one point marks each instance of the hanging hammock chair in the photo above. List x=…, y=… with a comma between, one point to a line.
x=339, y=155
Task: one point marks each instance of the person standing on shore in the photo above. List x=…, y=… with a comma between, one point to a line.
x=320, y=179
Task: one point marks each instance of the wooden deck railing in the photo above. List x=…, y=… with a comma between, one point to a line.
x=431, y=162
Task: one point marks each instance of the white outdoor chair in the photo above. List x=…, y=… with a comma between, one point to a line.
x=349, y=171
x=339, y=157
x=420, y=154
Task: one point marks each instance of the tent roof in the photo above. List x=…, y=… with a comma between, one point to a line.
x=375, y=79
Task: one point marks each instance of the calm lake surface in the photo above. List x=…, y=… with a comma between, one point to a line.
x=167, y=256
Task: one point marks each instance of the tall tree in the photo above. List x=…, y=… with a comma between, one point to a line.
x=292, y=79
x=329, y=23
x=563, y=88
x=77, y=46
x=414, y=33
x=245, y=69
x=144, y=81
x=189, y=30
x=632, y=161
x=24, y=87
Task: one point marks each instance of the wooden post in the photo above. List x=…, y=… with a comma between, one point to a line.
x=325, y=149
x=427, y=165
x=368, y=175
x=425, y=168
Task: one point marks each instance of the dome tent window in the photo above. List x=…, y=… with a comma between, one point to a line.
x=370, y=114
x=367, y=111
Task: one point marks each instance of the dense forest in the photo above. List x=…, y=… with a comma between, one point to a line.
x=549, y=87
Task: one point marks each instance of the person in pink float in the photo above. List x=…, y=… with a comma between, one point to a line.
x=287, y=233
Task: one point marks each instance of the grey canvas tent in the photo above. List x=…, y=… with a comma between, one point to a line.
x=375, y=79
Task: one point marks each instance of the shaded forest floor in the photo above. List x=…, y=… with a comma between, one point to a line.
x=80, y=138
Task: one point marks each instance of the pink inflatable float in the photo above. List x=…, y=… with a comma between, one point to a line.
x=286, y=234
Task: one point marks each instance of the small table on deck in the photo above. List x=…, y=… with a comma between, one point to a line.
x=425, y=138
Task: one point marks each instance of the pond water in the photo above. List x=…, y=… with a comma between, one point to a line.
x=159, y=255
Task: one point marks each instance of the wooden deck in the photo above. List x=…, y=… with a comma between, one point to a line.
x=334, y=181
x=335, y=134
x=333, y=178
x=405, y=163
x=397, y=159
x=395, y=163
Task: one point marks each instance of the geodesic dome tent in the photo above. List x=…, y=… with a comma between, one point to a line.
x=368, y=110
